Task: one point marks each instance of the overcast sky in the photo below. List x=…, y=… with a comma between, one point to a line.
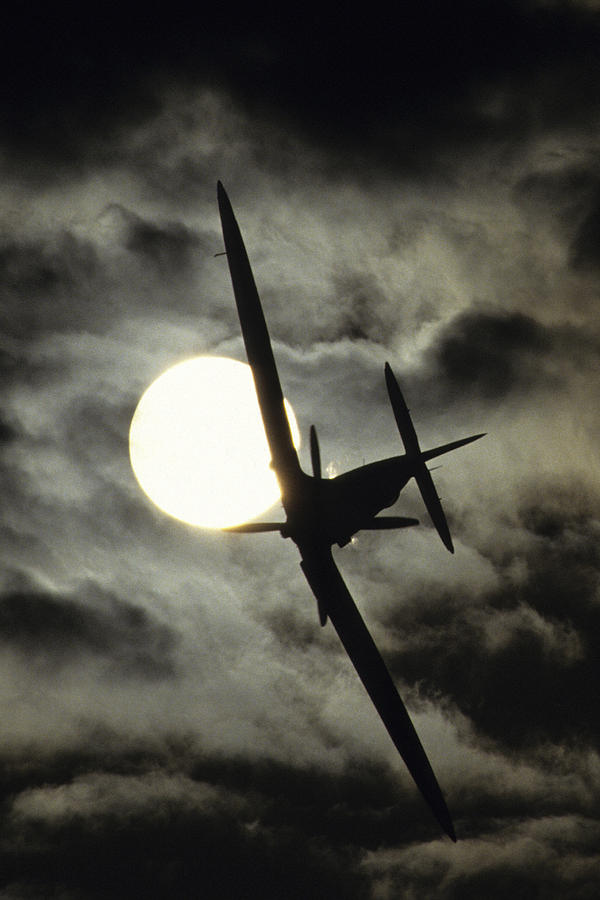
x=424, y=190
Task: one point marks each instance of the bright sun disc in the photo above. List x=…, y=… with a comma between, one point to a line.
x=198, y=446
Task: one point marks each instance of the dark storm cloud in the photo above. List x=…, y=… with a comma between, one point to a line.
x=48, y=283
x=170, y=246
x=391, y=85
x=585, y=248
x=166, y=825
x=566, y=190
x=492, y=352
x=65, y=282
x=570, y=196
x=290, y=628
x=51, y=629
x=17, y=366
x=7, y=431
x=451, y=73
x=362, y=807
x=522, y=660
x=97, y=429
x=552, y=857
x=364, y=310
x=72, y=82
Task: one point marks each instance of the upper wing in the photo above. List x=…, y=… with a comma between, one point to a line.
x=334, y=599
x=258, y=347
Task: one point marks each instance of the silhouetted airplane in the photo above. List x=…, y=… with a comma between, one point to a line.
x=321, y=512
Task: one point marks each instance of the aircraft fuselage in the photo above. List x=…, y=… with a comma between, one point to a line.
x=332, y=510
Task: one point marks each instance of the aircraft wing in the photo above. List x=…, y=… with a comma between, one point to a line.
x=258, y=347
x=334, y=599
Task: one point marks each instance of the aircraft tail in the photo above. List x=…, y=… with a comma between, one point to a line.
x=418, y=458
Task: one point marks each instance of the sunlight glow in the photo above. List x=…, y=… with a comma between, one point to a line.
x=198, y=447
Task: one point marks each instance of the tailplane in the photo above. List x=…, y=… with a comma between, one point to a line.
x=255, y=527
x=418, y=458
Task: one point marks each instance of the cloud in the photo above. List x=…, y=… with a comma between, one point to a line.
x=519, y=658
x=421, y=190
x=175, y=823
x=65, y=280
x=552, y=855
x=52, y=631
x=584, y=249
x=569, y=194
x=169, y=246
x=7, y=431
x=39, y=280
x=493, y=352
x=166, y=834
x=392, y=89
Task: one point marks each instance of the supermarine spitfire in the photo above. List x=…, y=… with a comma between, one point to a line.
x=321, y=511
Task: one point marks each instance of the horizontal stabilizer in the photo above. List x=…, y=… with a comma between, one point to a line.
x=453, y=445
x=254, y=527
x=382, y=523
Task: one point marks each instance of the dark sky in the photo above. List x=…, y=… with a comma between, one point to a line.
x=421, y=187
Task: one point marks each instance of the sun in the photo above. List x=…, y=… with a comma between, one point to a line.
x=198, y=447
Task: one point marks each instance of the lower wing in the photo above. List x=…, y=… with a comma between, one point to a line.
x=335, y=601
